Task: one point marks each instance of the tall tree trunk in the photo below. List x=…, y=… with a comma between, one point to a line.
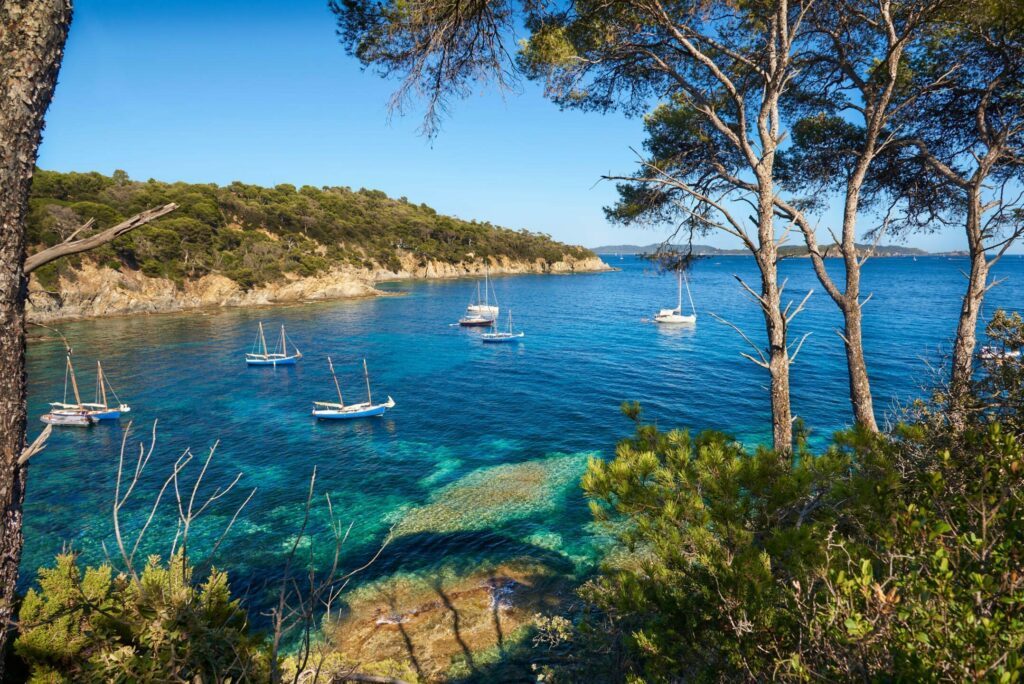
x=771, y=306
x=967, y=326
x=856, y=366
x=778, y=352
x=32, y=36
x=860, y=386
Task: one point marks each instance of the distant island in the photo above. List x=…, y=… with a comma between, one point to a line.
x=830, y=250
x=242, y=244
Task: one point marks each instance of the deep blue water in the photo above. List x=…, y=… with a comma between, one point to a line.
x=443, y=466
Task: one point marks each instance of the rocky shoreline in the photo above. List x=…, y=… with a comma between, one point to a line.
x=97, y=292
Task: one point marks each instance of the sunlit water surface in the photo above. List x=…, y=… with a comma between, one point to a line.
x=480, y=460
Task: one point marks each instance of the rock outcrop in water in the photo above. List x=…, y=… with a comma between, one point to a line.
x=94, y=291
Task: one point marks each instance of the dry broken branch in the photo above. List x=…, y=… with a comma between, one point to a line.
x=37, y=445
x=72, y=246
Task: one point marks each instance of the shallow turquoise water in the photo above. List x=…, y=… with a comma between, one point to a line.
x=466, y=413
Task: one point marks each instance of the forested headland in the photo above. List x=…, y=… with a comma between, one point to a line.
x=255, y=235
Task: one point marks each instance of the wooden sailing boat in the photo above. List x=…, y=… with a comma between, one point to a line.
x=261, y=356
x=63, y=413
x=100, y=409
x=327, y=410
x=481, y=313
x=496, y=336
x=676, y=315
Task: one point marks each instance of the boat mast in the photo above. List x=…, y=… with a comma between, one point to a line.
x=487, y=280
x=689, y=295
x=74, y=382
x=284, y=342
x=336, y=385
x=263, y=340
x=366, y=374
x=101, y=386
x=679, y=296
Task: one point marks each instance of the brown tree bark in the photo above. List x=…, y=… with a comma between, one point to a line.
x=967, y=324
x=32, y=37
x=778, y=351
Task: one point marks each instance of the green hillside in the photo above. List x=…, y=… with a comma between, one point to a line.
x=255, y=235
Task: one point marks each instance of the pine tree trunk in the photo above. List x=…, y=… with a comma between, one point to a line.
x=32, y=36
x=967, y=326
x=775, y=323
x=860, y=386
x=778, y=366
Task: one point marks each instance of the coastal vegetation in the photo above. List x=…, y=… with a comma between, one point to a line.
x=255, y=235
x=894, y=553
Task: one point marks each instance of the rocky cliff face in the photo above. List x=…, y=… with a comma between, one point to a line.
x=99, y=291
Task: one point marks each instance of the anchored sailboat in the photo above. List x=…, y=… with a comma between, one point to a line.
x=100, y=409
x=676, y=315
x=496, y=336
x=481, y=313
x=261, y=356
x=63, y=413
x=339, y=410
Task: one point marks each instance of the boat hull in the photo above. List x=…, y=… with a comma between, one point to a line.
x=476, y=322
x=676, y=319
x=502, y=338
x=286, y=361
x=325, y=414
x=482, y=310
x=353, y=411
x=69, y=419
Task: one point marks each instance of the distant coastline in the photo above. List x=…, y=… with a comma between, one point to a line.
x=830, y=250
x=97, y=291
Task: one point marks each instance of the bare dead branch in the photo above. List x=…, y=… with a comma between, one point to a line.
x=70, y=246
x=37, y=445
x=762, y=360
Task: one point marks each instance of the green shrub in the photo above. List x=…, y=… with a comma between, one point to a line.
x=100, y=627
x=892, y=557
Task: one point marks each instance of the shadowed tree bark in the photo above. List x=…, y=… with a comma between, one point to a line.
x=32, y=36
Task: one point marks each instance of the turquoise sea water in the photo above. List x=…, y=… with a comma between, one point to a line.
x=480, y=459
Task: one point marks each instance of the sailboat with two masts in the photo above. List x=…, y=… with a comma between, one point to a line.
x=261, y=356
x=100, y=408
x=329, y=410
x=63, y=413
x=481, y=313
x=676, y=315
x=499, y=336
x=81, y=413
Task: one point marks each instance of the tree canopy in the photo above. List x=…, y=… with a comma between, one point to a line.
x=254, y=234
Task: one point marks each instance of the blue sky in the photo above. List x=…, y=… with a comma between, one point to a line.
x=262, y=92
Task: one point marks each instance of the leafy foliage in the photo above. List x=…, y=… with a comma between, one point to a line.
x=255, y=235
x=893, y=556
x=98, y=626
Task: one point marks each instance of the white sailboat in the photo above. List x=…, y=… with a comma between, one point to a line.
x=496, y=336
x=481, y=313
x=99, y=408
x=676, y=315
x=261, y=356
x=329, y=410
x=64, y=413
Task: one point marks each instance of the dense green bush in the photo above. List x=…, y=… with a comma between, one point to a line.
x=101, y=627
x=888, y=557
x=254, y=234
